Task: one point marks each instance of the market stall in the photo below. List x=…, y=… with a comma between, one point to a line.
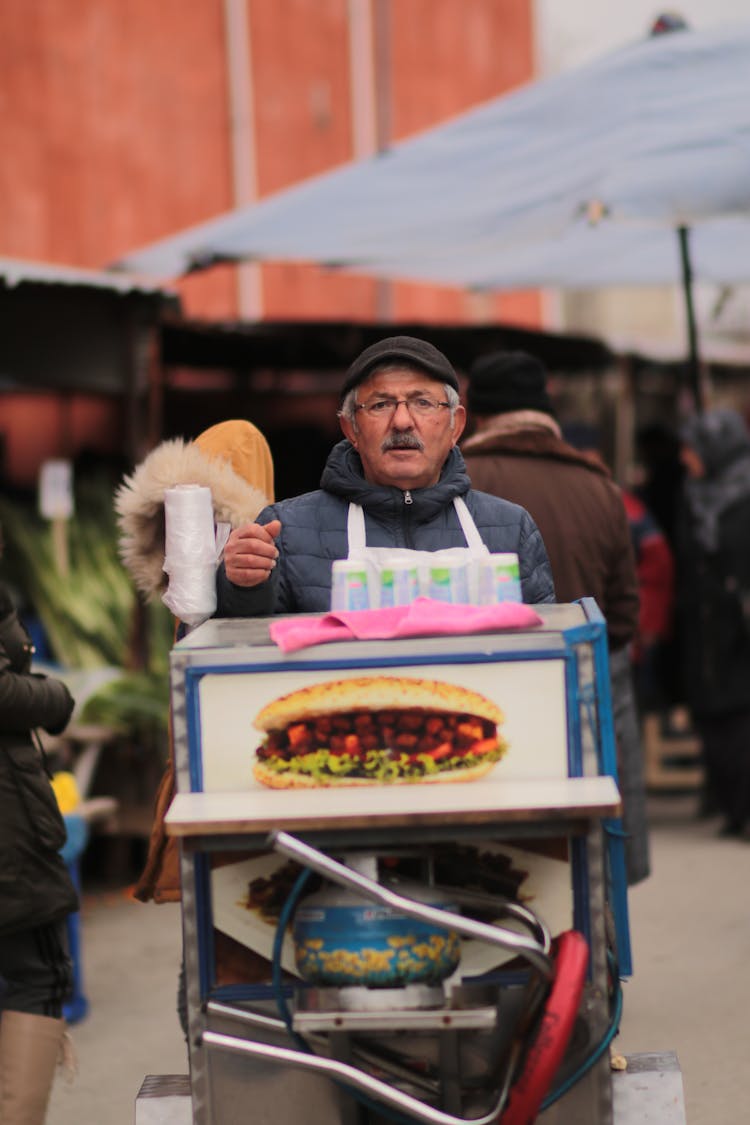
x=438, y=951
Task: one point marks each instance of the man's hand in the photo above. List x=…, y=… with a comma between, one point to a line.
x=250, y=554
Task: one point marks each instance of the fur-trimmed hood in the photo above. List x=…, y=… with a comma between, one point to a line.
x=232, y=459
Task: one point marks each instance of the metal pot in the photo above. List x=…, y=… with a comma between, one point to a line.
x=341, y=940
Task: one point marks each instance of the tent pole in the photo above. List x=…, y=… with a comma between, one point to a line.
x=694, y=376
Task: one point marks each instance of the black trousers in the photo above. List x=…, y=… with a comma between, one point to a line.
x=36, y=972
x=726, y=754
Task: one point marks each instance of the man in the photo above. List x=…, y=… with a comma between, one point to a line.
x=518, y=452
x=399, y=472
x=713, y=544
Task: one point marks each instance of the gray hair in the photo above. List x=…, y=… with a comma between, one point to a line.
x=349, y=405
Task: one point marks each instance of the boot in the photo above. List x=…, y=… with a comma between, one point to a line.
x=29, y=1050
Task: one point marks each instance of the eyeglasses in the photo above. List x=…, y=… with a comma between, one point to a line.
x=419, y=406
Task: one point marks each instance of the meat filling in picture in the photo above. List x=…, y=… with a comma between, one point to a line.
x=381, y=744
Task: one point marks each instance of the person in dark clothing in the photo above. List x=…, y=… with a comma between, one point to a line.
x=397, y=483
x=518, y=452
x=654, y=565
x=36, y=891
x=714, y=603
x=660, y=489
x=658, y=447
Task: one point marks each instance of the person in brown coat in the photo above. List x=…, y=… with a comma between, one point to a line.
x=517, y=451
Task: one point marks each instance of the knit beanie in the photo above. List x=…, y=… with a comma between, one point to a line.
x=504, y=381
x=414, y=352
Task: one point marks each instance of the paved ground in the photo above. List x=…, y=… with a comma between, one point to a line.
x=690, y=992
x=130, y=960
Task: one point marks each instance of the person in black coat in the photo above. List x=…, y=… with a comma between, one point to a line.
x=36, y=891
x=714, y=603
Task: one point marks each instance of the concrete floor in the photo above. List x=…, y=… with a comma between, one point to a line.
x=130, y=962
x=690, y=991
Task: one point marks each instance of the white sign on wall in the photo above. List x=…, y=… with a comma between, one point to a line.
x=56, y=490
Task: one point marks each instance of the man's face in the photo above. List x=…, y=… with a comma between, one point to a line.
x=692, y=462
x=402, y=448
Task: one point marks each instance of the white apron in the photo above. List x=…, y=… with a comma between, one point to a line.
x=378, y=558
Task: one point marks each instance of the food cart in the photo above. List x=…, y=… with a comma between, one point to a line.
x=525, y=864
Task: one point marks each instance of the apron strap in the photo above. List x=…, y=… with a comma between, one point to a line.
x=355, y=529
x=469, y=528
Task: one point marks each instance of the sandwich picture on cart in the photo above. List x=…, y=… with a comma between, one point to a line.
x=377, y=730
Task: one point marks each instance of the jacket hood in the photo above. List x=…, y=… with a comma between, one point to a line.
x=232, y=459
x=343, y=476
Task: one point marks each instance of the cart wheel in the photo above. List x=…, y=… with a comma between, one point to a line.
x=545, y=1052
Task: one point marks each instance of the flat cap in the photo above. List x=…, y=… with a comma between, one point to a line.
x=409, y=349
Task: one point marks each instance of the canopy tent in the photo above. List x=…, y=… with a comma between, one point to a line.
x=658, y=131
x=654, y=137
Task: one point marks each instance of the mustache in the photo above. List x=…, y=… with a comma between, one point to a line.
x=401, y=441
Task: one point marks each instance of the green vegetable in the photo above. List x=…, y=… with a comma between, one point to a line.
x=379, y=765
x=91, y=614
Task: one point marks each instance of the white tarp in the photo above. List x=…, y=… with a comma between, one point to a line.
x=659, y=132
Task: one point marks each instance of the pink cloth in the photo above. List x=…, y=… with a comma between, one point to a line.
x=425, y=617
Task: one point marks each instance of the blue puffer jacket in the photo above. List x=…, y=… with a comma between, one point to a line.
x=314, y=534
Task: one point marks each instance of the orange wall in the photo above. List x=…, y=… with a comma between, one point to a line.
x=36, y=427
x=303, y=126
x=477, y=56
x=443, y=56
x=115, y=125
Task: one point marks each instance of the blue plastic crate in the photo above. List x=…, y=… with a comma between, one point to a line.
x=78, y=833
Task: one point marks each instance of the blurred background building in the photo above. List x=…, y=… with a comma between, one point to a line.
x=122, y=124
